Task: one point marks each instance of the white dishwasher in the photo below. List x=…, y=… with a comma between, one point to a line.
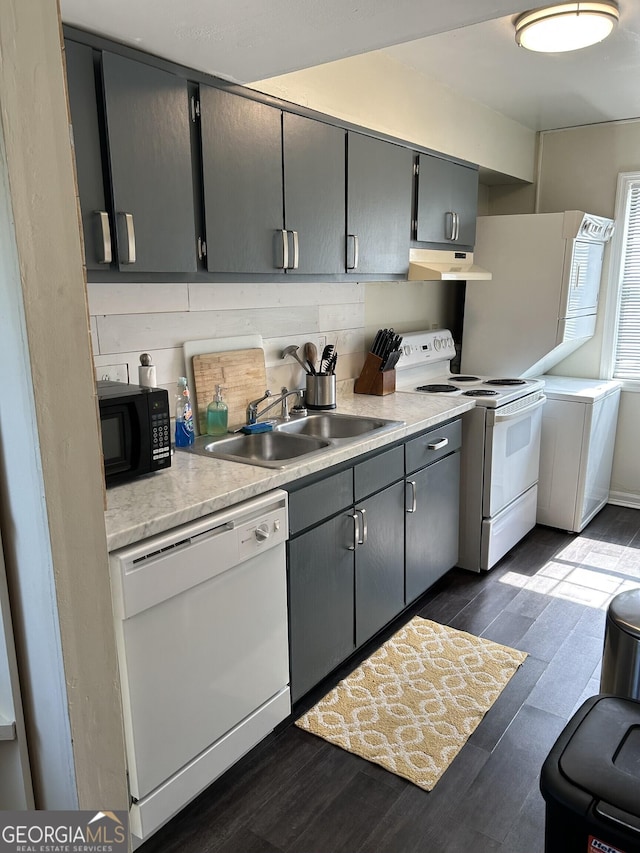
x=201, y=625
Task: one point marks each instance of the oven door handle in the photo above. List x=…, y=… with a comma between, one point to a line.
x=500, y=419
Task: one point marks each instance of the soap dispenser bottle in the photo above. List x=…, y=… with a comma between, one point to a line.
x=217, y=414
x=184, y=415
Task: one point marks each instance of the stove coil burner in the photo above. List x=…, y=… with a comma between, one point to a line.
x=465, y=378
x=480, y=392
x=506, y=382
x=437, y=389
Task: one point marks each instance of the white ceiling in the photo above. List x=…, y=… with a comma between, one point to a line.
x=467, y=45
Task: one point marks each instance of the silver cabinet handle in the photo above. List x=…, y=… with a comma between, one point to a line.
x=285, y=250
x=356, y=531
x=130, y=234
x=363, y=535
x=296, y=253
x=450, y=225
x=414, y=499
x=105, y=231
x=356, y=252
x=456, y=218
x=438, y=445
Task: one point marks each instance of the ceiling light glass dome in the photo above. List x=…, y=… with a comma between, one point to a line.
x=567, y=26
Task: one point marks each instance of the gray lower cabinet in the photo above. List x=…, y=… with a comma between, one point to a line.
x=346, y=553
x=345, y=564
x=379, y=561
x=432, y=508
x=447, y=202
x=148, y=129
x=379, y=181
x=321, y=602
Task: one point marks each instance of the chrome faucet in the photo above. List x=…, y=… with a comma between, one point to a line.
x=252, y=409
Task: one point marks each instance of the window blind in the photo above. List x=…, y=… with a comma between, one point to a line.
x=627, y=348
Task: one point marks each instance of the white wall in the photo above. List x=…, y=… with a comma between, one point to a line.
x=376, y=91
x=129, y=319
x=579, y=170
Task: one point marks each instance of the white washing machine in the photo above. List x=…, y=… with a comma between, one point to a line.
x=576, y=449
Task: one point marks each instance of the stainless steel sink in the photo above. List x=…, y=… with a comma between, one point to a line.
x=289, y=441
x=267, y=449
x=334, y=426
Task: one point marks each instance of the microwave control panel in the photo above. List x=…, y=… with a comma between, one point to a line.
x=160, y=435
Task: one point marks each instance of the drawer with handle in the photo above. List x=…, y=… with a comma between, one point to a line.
x=433, y=445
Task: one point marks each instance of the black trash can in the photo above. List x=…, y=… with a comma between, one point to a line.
x=621, y=654
x=591, y=780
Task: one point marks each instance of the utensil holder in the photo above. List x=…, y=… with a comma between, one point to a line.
x=374, y=381
x=321, y=391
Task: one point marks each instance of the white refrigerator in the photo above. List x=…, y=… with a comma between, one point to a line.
x=576, y=449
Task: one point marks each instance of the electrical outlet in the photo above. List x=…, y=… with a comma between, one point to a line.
x=322, y=342
x=113, y=372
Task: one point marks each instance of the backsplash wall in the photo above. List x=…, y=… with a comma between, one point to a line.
x=128, y=319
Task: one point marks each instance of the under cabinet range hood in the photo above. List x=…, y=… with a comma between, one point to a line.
x=430, y=265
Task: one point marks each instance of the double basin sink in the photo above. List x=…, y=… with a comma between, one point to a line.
x=289, y=441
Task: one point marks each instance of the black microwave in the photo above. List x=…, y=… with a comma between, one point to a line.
x=135, y=424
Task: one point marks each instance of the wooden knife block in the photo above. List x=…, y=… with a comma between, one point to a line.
x=374, y=381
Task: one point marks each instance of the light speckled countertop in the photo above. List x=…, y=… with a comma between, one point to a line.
x=195, y=486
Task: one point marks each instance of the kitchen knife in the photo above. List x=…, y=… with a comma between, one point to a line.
x=375, y=346
x=391, y=361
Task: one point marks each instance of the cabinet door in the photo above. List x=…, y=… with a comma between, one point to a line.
x=242, y=176
x=431, y=524
x=447, y=202
x=321, y=600
x=148, y=128
x=97, y=222
x=379, y=561
x=379, y=176
x=314, y=203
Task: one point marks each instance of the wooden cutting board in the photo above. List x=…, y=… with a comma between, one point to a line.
x=241, y=373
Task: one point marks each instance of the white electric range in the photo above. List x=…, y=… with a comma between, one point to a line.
x=500, y=445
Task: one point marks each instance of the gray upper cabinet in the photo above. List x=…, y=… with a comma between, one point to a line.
x=273, y=188
x=447, y=202
x=96, y=217
x=166, y=179
x=314, y=205
x=242, y=174
x=379, y=180
x=148, y=129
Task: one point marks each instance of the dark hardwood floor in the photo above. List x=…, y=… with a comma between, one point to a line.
x=295, y=793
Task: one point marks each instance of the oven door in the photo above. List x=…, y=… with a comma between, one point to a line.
x=512, y=451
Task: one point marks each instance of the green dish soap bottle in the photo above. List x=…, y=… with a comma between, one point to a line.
x=217, y=414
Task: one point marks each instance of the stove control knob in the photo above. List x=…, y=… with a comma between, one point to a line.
x=437, y=344
x=262, y=532
x=407, y=349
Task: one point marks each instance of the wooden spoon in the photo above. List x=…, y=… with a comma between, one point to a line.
x=311, y=356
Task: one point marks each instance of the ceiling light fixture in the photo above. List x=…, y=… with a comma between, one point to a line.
x=567, y=26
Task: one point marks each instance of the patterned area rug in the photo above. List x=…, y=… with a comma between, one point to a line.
x=411, y=706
